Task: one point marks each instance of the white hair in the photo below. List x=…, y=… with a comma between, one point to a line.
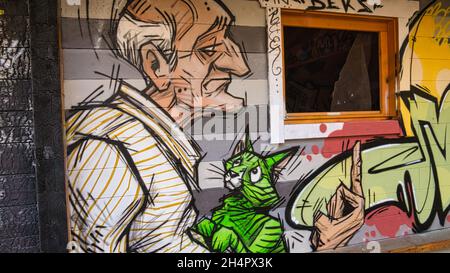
x=132, y=34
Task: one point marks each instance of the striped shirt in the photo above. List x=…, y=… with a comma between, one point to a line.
x=131, y=173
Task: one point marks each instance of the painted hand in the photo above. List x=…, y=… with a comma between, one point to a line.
x=202, y=232
x=345, y=211
x=225, y=240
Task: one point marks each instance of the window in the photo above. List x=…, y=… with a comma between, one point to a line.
x=338, y=67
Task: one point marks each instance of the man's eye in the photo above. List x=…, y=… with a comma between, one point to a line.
x=210, y=50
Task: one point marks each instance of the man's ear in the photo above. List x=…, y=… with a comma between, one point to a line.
x=155, y=66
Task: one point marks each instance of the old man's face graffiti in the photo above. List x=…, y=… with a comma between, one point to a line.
x=132, y=170
x=191, y=63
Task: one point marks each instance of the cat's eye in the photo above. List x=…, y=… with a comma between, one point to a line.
x=255, y=174
x=237, y=162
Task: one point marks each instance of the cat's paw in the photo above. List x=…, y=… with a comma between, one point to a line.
x=205, y=227
x=223, y=239
x=197, y=237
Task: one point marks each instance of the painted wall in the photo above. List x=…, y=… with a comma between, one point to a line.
x=168, y=149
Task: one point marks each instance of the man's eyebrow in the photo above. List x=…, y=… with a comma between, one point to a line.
x=216, y=27
x=206, y=39
x=207, y=34
x=220, y=23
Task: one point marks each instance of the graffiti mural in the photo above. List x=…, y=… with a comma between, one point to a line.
x=139, y=181
x=360, y=6
x=132, y=169
x=243, y=224
x=404, y=180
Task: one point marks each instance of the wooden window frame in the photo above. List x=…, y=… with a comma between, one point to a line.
x=387, y=28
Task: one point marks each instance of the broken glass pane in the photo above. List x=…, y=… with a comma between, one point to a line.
x=331, y=70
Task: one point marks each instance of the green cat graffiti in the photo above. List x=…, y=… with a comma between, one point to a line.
x=243, y=224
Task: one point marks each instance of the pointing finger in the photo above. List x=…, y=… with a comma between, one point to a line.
x=356, y=186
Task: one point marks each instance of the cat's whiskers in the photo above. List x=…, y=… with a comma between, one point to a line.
x=216, y=178
x=216, y=172
x=217, y=167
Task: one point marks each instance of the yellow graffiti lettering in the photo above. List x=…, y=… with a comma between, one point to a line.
x=441, y=21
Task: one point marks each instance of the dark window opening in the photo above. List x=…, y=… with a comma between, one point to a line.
x=329, y=70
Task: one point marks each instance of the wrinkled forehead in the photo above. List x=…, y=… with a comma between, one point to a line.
x=184, y=14
x=195, y=23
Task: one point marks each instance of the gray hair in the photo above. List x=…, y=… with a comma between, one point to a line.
x=132, y=34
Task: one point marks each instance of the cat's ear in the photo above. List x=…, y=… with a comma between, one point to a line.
x=248, y=142
x=240, y=147
x=280, y=160
x=244, y=145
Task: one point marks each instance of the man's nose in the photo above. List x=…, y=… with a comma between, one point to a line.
x=232, y=59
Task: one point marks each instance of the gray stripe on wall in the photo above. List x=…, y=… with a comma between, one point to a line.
x=75, y=34
x=210, y=198
x=75, y=91
x=83, y=63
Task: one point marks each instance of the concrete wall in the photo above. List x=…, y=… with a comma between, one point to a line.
x=32, y=186
x=19, y=213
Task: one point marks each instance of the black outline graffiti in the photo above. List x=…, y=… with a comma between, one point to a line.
x=89, y=104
